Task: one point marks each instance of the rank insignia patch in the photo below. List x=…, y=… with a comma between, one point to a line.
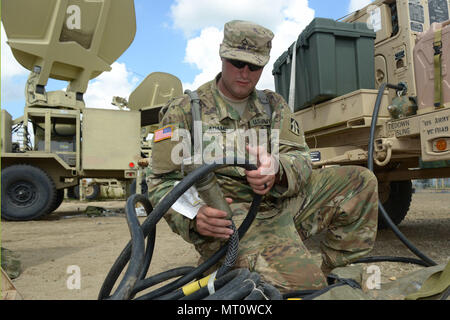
x=295, y=128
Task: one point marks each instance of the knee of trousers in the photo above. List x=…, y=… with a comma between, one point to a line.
x=363, y=203
x=369, y=179
x=365, y=185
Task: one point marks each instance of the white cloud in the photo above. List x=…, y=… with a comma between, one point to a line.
x=202, y=22
x=13, y=75
x=358, y=4
x=205, y=58
x=117, y=82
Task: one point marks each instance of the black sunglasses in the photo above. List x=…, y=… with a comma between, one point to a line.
x=241, y=64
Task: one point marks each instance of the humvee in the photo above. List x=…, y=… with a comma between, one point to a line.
x=334, y=89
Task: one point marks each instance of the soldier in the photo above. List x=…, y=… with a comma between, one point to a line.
x=298, y=201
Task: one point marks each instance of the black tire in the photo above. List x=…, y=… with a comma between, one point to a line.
x=76, y=192
x=58, y=200
x=71, y=192
x=144, y=187
x=27, y=193
x=92, y=192
x=397, y=205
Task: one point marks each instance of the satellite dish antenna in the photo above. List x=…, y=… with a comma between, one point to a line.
x=157, y=88
x=152, y=94
x=71, y=40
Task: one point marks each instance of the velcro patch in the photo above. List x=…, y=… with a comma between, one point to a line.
x=163, y=133
x=295, y=128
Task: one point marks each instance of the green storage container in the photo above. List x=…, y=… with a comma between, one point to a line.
x=332, y=59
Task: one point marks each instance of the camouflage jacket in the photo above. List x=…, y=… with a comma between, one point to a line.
x=218, y=118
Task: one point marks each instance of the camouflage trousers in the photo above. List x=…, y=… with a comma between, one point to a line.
x=343, y=201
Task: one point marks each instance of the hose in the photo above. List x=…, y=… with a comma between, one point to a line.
x=138, y=261
x=424, y=259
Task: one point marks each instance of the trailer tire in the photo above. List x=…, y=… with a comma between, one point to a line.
x=92, y=192
x=398, y=202
x=27, y=193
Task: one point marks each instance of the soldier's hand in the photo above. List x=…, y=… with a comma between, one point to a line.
x=262, y=179
x=212, y=222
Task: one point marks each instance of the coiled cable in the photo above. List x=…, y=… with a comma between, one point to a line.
x=138, y=257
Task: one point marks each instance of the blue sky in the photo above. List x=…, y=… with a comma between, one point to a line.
x=181, y=37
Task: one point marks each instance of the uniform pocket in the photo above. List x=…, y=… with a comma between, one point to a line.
x=267, y=210
x=267, y=214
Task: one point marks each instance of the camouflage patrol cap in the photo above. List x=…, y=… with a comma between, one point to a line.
x=246, y=41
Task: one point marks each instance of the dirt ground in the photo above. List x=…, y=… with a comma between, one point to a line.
x=49, y=248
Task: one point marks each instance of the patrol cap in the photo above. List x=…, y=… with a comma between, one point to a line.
x=246, y=41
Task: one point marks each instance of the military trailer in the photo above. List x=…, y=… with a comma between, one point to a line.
x=331, y=77
x=73, y=41
x=148, y=98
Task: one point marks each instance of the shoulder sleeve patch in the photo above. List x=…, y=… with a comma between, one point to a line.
x=295, y=128
x=163, y=133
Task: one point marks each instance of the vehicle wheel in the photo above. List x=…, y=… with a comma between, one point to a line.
x=71, y=192
x=397, y=203
x=144, y=187
x=58, y=200
x=92, y=192
x=27, y=193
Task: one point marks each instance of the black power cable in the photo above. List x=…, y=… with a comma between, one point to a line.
x=424, y=259
x=138, y=258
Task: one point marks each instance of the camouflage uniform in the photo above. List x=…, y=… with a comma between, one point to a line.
x=342, y=200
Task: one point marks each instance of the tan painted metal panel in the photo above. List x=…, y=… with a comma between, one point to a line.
x=352, y=106
x=424, y=66
x=111, y=139
x=6, y=131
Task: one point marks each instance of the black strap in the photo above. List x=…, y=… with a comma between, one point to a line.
x=196, y=110
x=196, y=118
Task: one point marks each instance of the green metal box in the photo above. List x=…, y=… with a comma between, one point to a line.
x=332, y=58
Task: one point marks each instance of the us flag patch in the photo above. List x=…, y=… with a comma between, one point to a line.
x=163, y=133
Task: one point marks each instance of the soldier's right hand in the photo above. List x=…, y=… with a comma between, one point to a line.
x=212, y=222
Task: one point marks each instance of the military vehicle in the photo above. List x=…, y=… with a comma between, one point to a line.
x=148, y=98
x=73, y=41
x=331, y=81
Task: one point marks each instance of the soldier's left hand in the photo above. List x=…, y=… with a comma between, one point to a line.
x=262, y=179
